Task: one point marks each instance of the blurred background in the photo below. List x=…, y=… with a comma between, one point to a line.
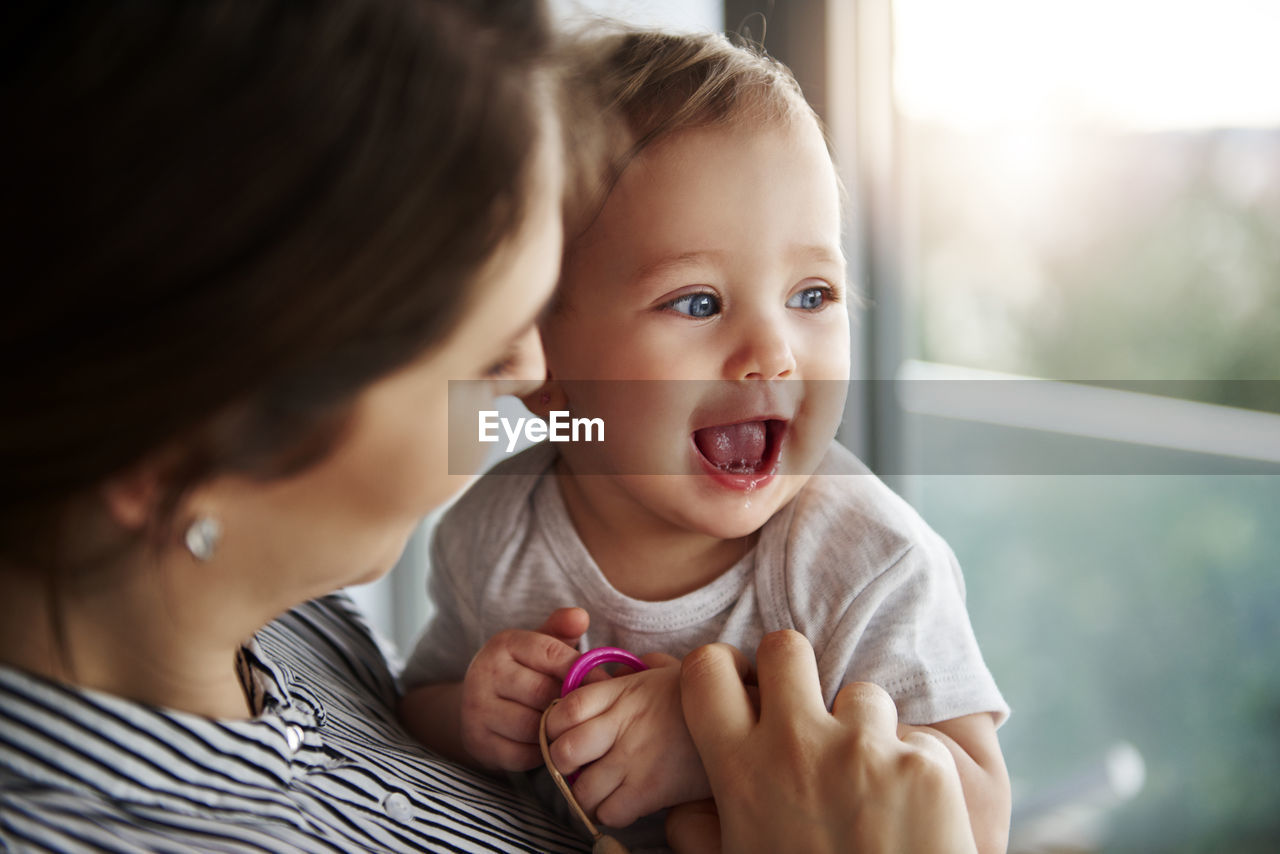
x=1066, y=224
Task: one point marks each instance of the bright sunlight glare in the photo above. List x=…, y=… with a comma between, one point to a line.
x=1122, y=64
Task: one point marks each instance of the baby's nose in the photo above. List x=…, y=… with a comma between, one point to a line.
x=764, y=354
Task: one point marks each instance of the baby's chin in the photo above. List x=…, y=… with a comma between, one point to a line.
x=730, y=516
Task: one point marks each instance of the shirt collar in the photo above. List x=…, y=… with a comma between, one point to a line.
x=65, y=737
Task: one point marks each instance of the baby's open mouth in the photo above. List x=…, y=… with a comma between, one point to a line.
x=749, y=447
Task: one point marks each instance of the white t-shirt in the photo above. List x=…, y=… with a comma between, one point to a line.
x=847, y=563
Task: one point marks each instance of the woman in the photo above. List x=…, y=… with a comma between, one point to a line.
x=248, y=244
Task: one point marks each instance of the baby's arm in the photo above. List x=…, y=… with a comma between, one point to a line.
x=631, y=730
x=490, y=719
x=972, y=742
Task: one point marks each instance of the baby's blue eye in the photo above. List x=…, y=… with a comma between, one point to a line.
x=810, y=299
x=696, y=305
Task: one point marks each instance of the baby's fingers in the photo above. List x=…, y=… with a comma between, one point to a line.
x=514, y=721
x=659, y=659
x=583, y=744
x=543, y=653
x=502, y=734
x=583, y=704
x=527, y=686
x=596, y=791
x=566, y=624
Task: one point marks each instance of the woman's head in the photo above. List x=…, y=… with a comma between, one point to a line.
x=226, y=220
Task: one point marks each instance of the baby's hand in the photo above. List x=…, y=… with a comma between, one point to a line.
x=508, y=684
x=632, y=731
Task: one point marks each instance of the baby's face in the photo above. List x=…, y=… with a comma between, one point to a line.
x=715, y=267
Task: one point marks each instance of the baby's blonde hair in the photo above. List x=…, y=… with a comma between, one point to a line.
x=652, y=84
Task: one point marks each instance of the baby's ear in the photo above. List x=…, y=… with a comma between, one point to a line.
x=547, y=397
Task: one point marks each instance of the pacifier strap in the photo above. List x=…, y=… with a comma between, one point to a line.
x=601, y=844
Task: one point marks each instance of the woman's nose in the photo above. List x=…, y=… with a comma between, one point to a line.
x=529, y=364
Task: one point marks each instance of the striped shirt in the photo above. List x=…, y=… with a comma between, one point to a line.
x=324, y=766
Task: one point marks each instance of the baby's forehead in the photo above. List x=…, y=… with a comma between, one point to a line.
x=677, y=188
x=692, y=165
x=699, y=147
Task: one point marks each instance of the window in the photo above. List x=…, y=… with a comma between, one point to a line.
x=1090, y=192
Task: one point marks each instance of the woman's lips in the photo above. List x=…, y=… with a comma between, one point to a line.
x=742, y=455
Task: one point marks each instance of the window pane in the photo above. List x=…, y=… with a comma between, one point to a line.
x=1130, y=609
x=1091, y=190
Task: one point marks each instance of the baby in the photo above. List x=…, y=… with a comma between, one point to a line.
x=720, y=508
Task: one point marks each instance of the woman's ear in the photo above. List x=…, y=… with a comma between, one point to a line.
x=547, y=397
x=131, y=496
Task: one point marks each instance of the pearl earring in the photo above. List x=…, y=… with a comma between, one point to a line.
x=202, y=537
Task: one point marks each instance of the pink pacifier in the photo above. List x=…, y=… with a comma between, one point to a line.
x=589, y=661
x=592, y=659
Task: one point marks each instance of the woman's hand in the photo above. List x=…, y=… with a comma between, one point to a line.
x=631, y=730
x=794, y=777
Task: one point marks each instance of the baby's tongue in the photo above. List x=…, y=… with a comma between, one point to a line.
x=733, y=446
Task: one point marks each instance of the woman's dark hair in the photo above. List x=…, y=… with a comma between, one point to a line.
x=222, y=220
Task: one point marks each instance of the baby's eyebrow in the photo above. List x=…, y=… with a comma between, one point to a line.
x=668, y=264
x=803, y=254
x=818, y=253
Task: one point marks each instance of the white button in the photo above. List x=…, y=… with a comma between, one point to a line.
x=398, y=807
x=293, y=734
